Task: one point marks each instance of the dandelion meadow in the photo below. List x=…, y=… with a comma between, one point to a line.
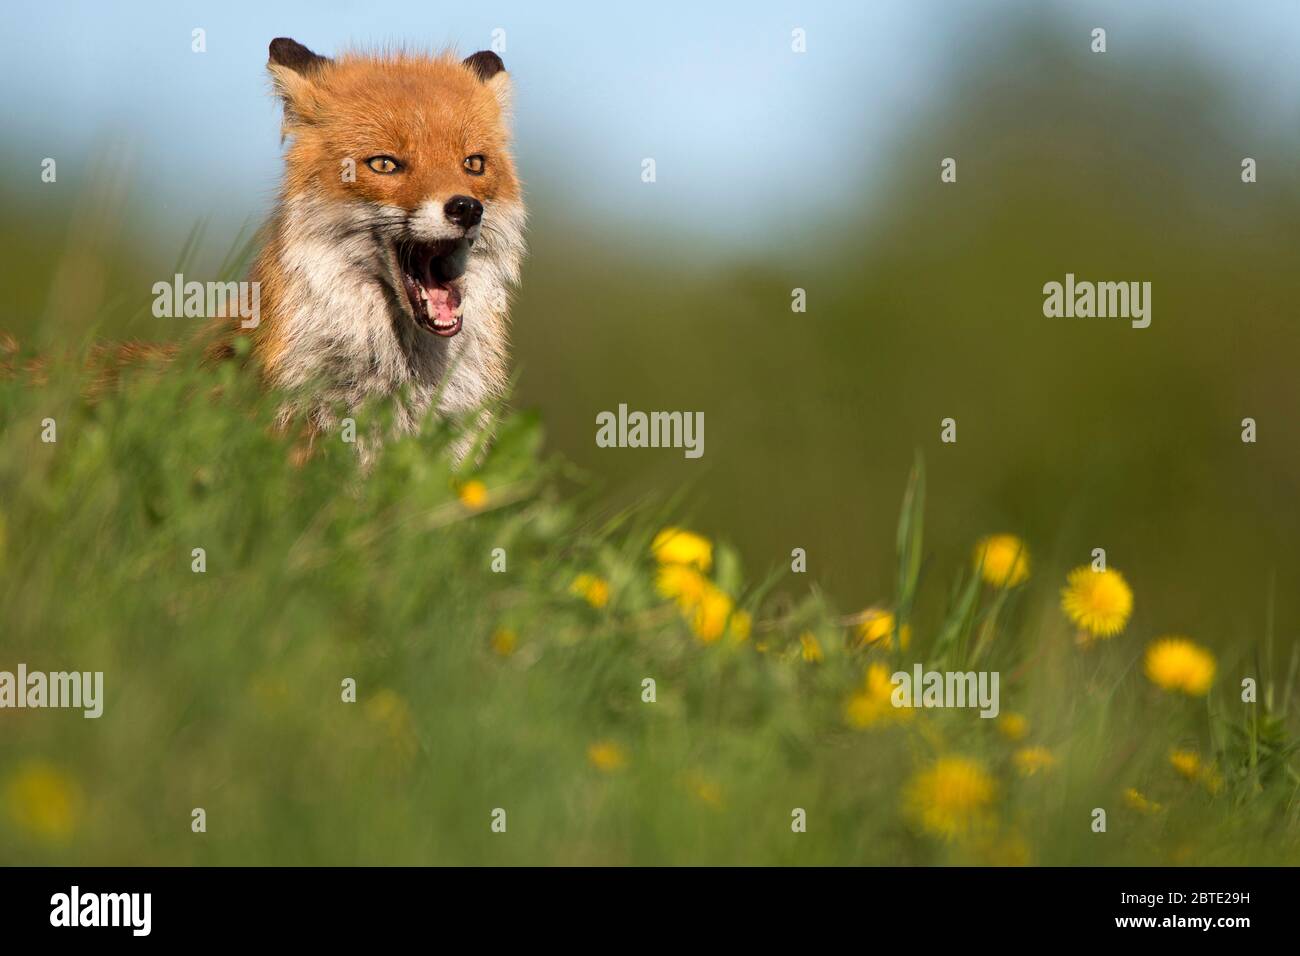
x=624, y=663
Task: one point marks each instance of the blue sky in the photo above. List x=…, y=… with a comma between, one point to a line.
x=749, y=138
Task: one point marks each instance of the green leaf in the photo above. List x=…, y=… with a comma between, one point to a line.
x=908, y=544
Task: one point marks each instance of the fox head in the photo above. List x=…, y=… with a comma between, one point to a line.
x=401, y=221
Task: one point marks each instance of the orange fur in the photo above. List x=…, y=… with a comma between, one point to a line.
x=432, y=112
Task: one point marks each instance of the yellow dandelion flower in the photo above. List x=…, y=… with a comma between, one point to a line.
x=682, y=584
x=876, y=629
x=1177, y=664
x=1098, y=602
x=705, y=606
x=606, y=756
x=709, y=617
x=504, y=642
x=675, y=546
x=473, y=494
x=742, y=623
x=1002, y=560
x=592, y=589
x=705, y=790
x=873, y=703
x=809, y=649
x=1015, y=727
x=1186, y=762
x=44, y=801
x=1135, y=799
x=950, y=798
x=1030, y=760
x=1189, y=765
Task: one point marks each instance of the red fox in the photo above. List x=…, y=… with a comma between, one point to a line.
x=387, y=266
x=399, y=232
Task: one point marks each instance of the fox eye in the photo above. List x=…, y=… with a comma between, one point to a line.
x=383, y=164
x=475, y=164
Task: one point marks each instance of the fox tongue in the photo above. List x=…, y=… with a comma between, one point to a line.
x=438, y=305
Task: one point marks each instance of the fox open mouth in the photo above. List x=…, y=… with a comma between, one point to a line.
x=430, y=271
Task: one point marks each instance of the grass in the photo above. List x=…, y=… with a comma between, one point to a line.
x=479, y=689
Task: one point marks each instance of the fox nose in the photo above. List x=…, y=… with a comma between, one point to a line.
x=464, y=211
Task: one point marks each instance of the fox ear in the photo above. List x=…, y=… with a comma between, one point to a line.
x=491, y=71
x=294, y=56
x=294, y=69
x=485, y=64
